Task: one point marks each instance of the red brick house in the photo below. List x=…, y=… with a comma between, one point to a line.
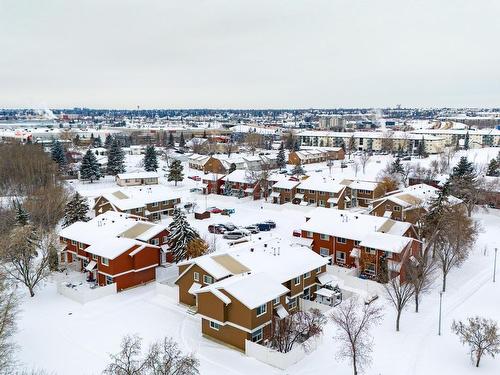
x=242, y=185
x=116, y=248
x=213, y=183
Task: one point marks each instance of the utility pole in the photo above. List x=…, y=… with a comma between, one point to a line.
x=440, y=304
x=495, y=265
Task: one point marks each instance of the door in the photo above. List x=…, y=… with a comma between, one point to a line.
x=163, y=257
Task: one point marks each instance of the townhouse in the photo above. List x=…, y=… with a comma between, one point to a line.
x=322, y=192
x=314, y=155
x=197, y=161
x=242, y=184
x=238, y=292
x=284, y=191
x=213, y=183
x=137, y=178
x=408, y=204
x=116, y=248
x=360, y=241
x=363, y=193
x=150, y=202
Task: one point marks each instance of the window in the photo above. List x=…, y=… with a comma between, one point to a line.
x=208, y=279
x=214, y=325
x=307, y=275
x=321, y=203
x=356, y=243
x=276, y=301
x=307, y=294
x=340, y=257
x=311, y=191
x=80, y=245
x=371, y=251
x=164, y=203
x=292, y=303
x=155, y=204
x=321, y=193
x=296, y=281
x=312, y=201
x=309, y=234
x=165, y=239
x=318, y=270
x=105, y=261
x=325, y=237
x=341, y=240
x=196, y=276
x=261, y=310
x=323, y=251
x=109, y=280
x=154, y=241
x=397, y=208
x=73, y=242
x=94, y=257
x=257, y=335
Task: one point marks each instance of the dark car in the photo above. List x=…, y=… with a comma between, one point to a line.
x=216, y=228
x=263, y=227
x=271, y=223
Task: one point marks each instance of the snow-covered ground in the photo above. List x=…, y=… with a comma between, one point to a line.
x=63, y=336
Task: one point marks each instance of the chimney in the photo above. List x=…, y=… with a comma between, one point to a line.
x=251, y=249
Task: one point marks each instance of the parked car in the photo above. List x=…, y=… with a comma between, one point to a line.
x=297, y=233
x=195, y=190
x=216, y=228
x=229, y=226
x=234, y=235
x=214, y=210
x=254, y=229
x=271, y=223
x=264, y=227
x=293, y=179
x=406, y=158
x=195, y=178
x=284, y=171
x=228, y=211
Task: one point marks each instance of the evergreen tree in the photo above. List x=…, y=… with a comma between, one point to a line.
x=466, y=141
x=22, y=218
x=493, y=168
x=150, y=160
x=280, y=158
x=57, y=154
x=204, y=134
x=180, y=234
x=171, y=142
x=182, y=142
x=463, y=183
x=108, y=141
x=396, y=167
x=421, y=149
x=76, y=140
x=97, y=142
x=296, y=145
x=232, y=168
x=76, y=210
x=227, y=188
x=90, y=169
x=241, y=193
x=298, y=170
x=116, y=158
x=464, y=169
x=175, y=172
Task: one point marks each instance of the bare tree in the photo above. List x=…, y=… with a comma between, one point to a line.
x=355, y=167
x=25, y=255
x=480, y=334
x=454, y=243
x=253, y=141
x=296, y=329
x=387, y=142
x=162, y=358
x=198, y=145
x=420, y=272
x=353, y=337
x=364, y=159
x=8, y=312
x=264, y=175
x=399, y=293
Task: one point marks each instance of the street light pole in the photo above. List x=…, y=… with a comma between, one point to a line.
x=495, y=266
x=440, y=304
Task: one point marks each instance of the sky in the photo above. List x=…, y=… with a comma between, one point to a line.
x=249, y=54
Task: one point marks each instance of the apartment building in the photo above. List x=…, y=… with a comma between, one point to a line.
x=360, y=241
x=150, y=202
x=238, y=291
x=137, y=179
x=372, y=141
x=452, y=137
x=314, y=155
x=116, y=248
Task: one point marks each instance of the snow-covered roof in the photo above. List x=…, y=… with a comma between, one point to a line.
x=386, y=242
x=101, y=232
x=318, y=183
x=134, y=175
x=239, y=175
x=286, y=184
x=367, y=135
x=363, y=185
x=345, y=224
x=130, y=197
x=252, y=290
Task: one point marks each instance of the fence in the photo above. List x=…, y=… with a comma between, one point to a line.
x=353, y=284
x=85, y=294
x=281, y=360
x=168, y=290
x=305, y=305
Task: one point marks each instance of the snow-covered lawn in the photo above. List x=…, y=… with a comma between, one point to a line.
x=63, y=336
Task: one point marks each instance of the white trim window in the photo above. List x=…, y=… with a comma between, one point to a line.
x=165, y=239
x=324, y=237
x=109, y=280
x=207, y=279
x=340, y=257
x=262, y=309
x=104, y=261
x=73, y=242
x=341, y=240
x=154, y=241
x=276, y=301
x=196, y=276
x=307, y=275
x=324, y=252
x=138, y=209
x=296, y=281
x=292, y=303
x=154, y=204
x=309, y=234
x=80, y=245
x=257, y=335
x=318, y=270
x=94, y=257
x=214, y=325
